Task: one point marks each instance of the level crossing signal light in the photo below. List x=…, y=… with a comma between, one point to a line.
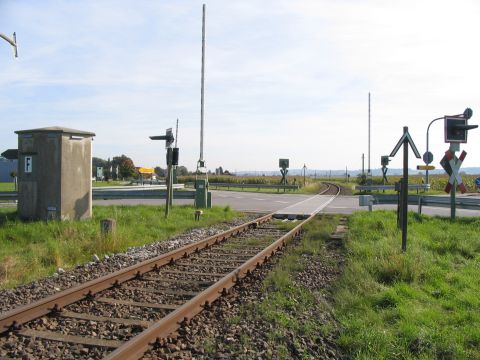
x=456, y=127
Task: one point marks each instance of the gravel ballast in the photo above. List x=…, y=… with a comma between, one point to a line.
x=61, y=280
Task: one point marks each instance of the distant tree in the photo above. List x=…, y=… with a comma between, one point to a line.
x=160, y=172
x=125, y=165
x=182, y=171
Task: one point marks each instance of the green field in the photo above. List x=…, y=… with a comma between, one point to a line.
x=30, y=250
x=109, y=183
x=7, y=186
x=420, y=304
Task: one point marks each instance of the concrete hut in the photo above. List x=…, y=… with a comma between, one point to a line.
x=54, y=174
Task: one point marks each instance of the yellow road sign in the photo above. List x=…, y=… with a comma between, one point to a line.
x=143, y=170
x=425, y=167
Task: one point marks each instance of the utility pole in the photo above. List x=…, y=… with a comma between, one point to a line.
x=369, y=168
x=201, y=185
x=363, y=164
x=304, y=170
x=201, y=162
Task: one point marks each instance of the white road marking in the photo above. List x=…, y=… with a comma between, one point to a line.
x=281, y=202
x=323, y=205
x=258, y=199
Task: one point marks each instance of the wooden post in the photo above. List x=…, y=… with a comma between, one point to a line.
x=108, y=226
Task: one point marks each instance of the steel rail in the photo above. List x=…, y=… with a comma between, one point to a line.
x=137, y=346
x=18, y=316
x=328, y=188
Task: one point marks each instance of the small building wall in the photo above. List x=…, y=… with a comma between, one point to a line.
x=76, y=179
x=56, y=182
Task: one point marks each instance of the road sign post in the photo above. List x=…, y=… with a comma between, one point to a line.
x=451, y=164
x=283, y=164
x=168, y=137
x=405, y=140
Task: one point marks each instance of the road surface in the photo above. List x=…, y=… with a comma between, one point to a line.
x=302, y=204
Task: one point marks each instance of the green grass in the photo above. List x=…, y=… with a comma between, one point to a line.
x=30, y=250
x=109, y=183
x=7, y=186
x=420, y=304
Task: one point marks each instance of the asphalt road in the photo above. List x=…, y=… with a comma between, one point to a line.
x=266, y=203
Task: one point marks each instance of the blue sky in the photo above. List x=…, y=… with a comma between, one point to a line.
x=283, y=78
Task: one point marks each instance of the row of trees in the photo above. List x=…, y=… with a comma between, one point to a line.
x=123, y=167
x=118, y=167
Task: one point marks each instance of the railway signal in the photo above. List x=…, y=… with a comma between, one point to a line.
x=283, y=164
x=455, y=164
x=171, y=157
x=405, y=140
x=385, y=159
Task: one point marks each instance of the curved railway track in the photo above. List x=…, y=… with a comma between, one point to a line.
x=332, y=189
x=123, y=314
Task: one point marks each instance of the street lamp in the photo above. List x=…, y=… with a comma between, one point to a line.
x=12, y=41
x=428, y=158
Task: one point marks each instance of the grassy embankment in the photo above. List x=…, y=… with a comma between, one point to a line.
x=31, y=250
x=420, y=304
x=110, y=183
x=313, y=186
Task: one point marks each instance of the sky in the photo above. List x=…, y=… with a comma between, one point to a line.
x=283, y=79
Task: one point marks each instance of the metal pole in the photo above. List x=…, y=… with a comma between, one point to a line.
x=176, y=134
x=170, y=188
x=404, y=219
x=428, y=129
x=202, y=84
x=454, y=189
x=304, y=169
x=452, y=200
x=369, y=133
x=363, y=164
x=169, y=177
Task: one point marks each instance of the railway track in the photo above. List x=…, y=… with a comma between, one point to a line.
x=123, y=314
x=332, y=189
